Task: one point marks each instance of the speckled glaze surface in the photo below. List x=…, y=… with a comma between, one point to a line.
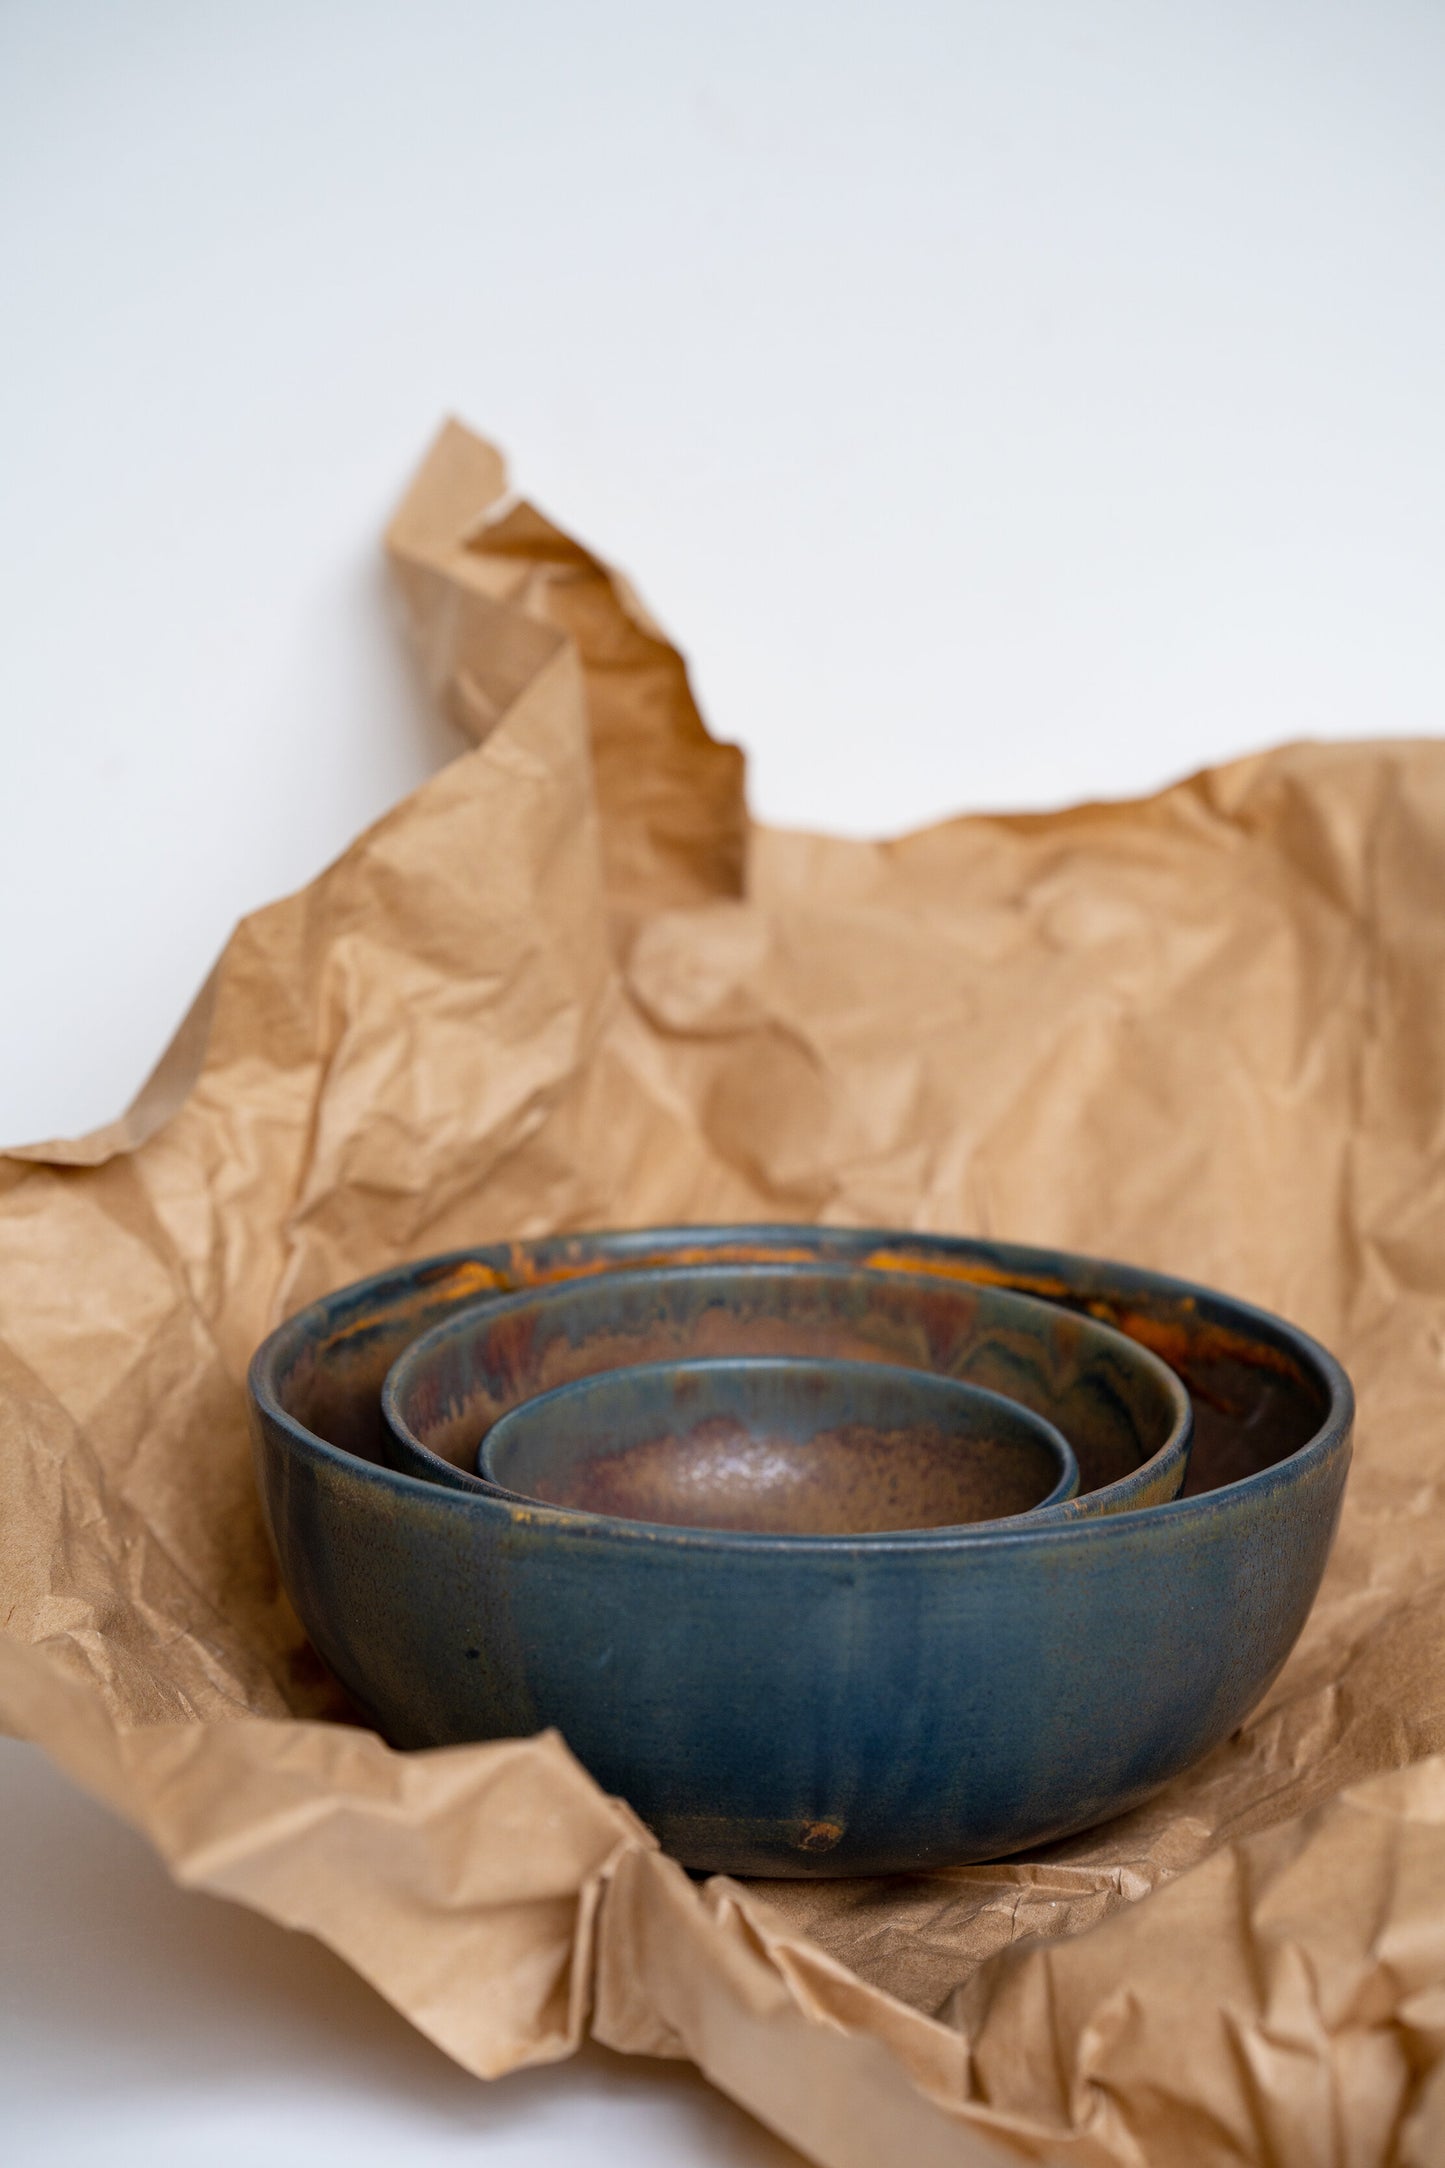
x=777, y=1706
x=1123, y=1411
x=773, y=1444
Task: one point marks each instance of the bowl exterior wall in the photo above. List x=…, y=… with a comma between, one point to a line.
x=839, y=1713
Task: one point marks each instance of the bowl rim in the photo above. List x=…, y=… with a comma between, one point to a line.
x=470, y=1317
x=1331, y=1440
x=980, y=1397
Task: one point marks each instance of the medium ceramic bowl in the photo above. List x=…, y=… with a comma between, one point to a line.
x=775, y=1705
x=774, y=1444
x=1123, y=1411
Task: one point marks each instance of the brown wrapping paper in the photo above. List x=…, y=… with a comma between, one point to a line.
x=567, y=984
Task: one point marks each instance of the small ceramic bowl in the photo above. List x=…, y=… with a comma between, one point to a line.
x=1123, y=1411
x=777, y=1705
x=781, y=1446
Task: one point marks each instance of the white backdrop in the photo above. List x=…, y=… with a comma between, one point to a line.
x=1002, y=403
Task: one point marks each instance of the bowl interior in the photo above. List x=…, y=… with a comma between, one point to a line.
x=1260, y=1389
x=1124, y=1414
x=780, y=1446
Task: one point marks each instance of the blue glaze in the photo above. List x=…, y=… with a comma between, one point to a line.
x=1123, y=1411
x=767, y=1442
x=776, y=1705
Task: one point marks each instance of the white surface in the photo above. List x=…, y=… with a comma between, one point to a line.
x=1001, y=403
x=142, y=2026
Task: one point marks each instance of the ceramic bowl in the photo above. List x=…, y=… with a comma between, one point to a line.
x=1122, y=1410
x=775, y=1444
x=777, y=1705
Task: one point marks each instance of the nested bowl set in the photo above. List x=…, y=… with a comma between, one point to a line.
x=831, y=1551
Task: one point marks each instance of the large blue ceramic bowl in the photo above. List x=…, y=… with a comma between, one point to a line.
x=778, y=1445
x=782, y=1706
x=1123, y=1411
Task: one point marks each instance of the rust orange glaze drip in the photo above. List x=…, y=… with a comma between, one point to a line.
x=526, y=1274
x=1196, y=1340
x=947, y=1268
x=1184, y=1339
x=468, y=1278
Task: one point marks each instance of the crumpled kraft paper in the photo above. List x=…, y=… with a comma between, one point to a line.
x=568, y=984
